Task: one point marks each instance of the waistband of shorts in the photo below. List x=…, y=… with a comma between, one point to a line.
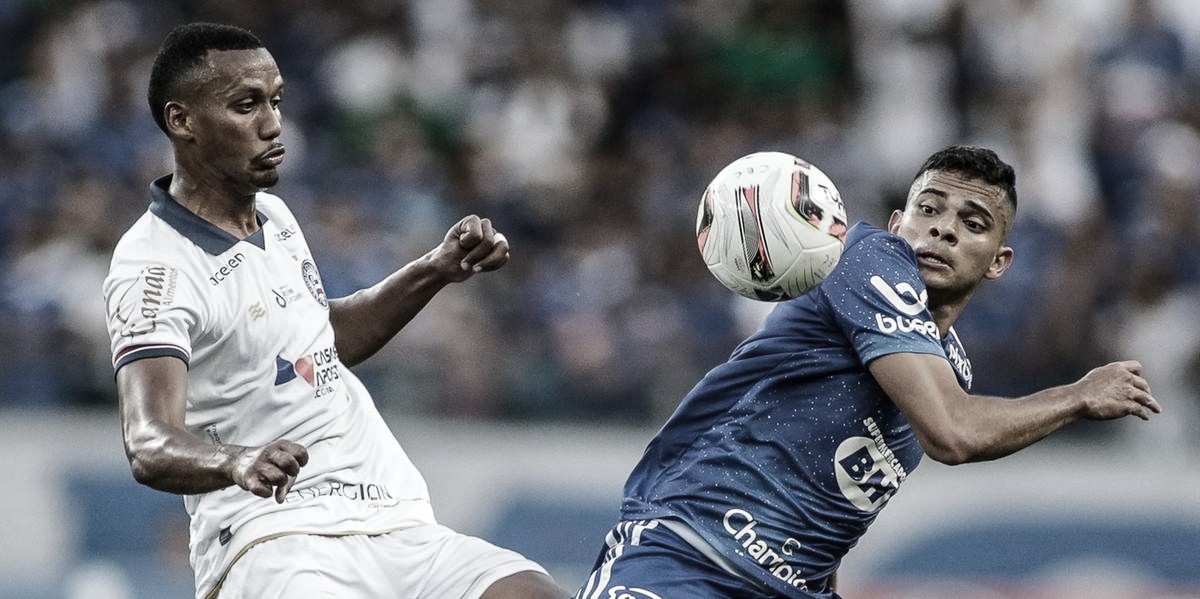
x=697, y=542
x=216, y=588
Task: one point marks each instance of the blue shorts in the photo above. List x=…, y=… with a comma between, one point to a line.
x=644, y=560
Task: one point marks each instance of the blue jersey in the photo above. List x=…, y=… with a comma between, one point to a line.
x=781, y=457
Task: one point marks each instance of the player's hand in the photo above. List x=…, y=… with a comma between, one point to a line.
x=270, y=469
x=472, y=245
x=1115, y=390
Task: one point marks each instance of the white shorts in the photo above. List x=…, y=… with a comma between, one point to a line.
x=425, y=562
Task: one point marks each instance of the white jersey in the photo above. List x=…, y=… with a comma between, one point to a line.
x=251, y=320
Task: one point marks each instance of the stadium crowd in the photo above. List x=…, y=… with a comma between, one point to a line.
x=587, y=130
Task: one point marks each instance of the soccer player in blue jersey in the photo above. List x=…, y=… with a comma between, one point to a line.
x=232, y=363
x=778, y=460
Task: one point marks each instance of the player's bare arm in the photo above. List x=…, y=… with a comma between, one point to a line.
x=366, y=320
x=954, y=427
x=164, y=456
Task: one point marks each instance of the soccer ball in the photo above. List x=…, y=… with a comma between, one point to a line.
x=771, y=226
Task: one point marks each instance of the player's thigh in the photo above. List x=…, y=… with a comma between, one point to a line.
x=435, y=562
x=307, y=566
x=653, y=563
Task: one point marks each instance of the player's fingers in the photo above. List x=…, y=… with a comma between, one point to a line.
x=479, y=246
x=486, y=228
x=469, y=231
x=285, y=452
x=282, y=490
x=1140, y=384
x=286, y=461
x=1132, y=366
x=1149, y=402
x=1139, y=404
x=265, y=478
x=257, y=486
x=497, y=257
x=484, y=254
x=299, y=452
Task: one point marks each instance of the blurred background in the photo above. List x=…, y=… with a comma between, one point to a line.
x=586, y=131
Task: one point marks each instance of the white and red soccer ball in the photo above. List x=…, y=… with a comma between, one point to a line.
x=771, y=226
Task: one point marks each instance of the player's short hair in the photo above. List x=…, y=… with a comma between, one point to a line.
x=182, y=51
x=974, y=163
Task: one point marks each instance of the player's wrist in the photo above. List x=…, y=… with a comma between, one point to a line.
x=437, y=269
x=232, y=463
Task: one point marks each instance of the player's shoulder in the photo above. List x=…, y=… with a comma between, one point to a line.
x=268, y=200
x=152, y=252
x=871, y=249
x=273, y=206
x=864, y=236
x=157, y=232
x=145, y=240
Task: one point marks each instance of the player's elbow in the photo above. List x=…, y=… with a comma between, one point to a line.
x=142, y=474
x=949, y=447
x=146, y=464
x=145, y=469
x=949, y=457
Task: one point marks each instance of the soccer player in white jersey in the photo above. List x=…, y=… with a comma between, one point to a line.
x=231, y=363
x=778, y=460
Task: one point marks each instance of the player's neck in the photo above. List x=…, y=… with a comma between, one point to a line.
x=945, y=313
x=233, y=212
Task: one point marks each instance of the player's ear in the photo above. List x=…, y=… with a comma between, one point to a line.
x=894, y=221
x=178, y=120
x=1003, y=260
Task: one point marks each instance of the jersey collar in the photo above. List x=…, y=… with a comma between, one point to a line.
x=209, y=237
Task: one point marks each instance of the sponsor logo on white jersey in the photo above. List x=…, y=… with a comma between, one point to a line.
x=287, y=232
x=321, y=370
x=372, y=492
x=154, y=289
x=226, y=270
x=285, y=295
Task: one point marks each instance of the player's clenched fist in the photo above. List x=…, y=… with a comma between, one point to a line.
x=270, y=469
x=1115, y=390
x=474, y=245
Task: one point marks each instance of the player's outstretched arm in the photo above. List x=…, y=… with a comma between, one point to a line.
x=366, y=320
x=954, y=427
x=164, y=456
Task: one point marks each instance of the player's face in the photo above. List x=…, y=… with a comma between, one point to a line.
x=957, y=226
x=236, y=121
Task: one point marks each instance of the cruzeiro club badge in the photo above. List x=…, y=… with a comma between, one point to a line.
x=312, y=279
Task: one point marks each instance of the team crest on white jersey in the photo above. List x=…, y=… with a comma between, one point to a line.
x=312, y=279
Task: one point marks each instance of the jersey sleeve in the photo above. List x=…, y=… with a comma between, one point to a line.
x=150, y=307
x=880, y=300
